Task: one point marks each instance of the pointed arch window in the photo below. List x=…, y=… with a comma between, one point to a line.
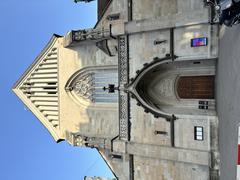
x=89, y=85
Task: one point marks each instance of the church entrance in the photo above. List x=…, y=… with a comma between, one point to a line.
x=196, y=87
x=177, y=88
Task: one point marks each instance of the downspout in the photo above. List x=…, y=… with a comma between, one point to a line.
x=130, y=13
x=112, y=140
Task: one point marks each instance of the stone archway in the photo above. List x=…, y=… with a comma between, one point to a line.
x=166, y=88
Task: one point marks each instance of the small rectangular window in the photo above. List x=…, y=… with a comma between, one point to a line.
x=115, y=156
x=203, y=105
x=113, y=17
x=198, y=133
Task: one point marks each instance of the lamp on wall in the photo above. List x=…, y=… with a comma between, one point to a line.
x=111, y=88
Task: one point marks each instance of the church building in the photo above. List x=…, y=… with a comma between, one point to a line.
x=139, y=87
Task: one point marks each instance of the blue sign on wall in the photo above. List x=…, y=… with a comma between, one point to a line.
x=202, y=41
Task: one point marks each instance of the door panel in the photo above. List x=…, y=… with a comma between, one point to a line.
x=196, y=87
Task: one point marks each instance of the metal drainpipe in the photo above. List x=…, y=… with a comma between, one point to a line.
x=172, y=129
x=172, y=132
x=130, y=10
x=131, y=165
x=112, y=142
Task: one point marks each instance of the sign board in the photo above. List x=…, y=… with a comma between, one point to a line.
x=202, y=41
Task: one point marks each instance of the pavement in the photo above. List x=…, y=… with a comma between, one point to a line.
x=228, y=99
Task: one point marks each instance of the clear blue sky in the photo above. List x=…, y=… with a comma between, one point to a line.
x=27, y=151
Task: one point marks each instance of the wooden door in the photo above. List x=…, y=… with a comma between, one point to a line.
x=196, y=87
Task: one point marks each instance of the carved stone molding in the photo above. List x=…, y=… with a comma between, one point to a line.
x=123, y=60
x=78, y=140
x=84, y=86
x=84, y=141
x=123, y=80
x=123, y=116
x=86, y=36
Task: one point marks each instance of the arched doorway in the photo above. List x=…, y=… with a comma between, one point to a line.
x=184, y=87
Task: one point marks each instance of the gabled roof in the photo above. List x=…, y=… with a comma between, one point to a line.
x=38, y=88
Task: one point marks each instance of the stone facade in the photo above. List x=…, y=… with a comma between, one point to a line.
x=116, y=88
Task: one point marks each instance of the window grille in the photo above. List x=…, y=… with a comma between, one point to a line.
x=198, y=133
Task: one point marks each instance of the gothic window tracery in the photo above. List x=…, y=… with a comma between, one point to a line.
x=87, y=85
x=83, y=87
